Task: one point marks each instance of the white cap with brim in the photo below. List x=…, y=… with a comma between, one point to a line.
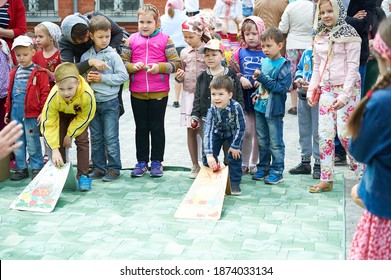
x=213, y=44
x=22, y=40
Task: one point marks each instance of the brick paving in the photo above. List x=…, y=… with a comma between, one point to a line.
x=133, y=218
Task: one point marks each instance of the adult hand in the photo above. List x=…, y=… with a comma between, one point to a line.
x=360, y=14
x=98, y=64
x=8, y=136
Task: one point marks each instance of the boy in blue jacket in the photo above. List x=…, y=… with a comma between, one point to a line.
x=269, y=105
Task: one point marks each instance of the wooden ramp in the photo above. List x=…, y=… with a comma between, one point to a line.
x=42, y=193
x=205, y=198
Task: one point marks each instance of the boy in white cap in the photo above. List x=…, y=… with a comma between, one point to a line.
x=68, y=110
x=27, y=92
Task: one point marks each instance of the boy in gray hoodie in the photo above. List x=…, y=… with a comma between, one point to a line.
x=104, y=127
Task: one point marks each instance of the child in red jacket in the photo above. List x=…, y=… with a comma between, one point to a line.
x=27, y=93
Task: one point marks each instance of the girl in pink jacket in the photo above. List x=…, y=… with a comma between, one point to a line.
x=149, y=56
x=336, y=62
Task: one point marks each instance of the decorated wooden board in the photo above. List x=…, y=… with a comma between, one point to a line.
x=42, y=193
x=205, y=198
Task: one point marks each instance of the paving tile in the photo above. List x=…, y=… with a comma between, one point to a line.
x=135, y=218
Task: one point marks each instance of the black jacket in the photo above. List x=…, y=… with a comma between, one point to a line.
x=202, y=101
x=361, y=25
x=70, y=52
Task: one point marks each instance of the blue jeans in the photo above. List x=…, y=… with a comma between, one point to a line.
x=270, y=143
x=104, y=130
x=30, y=139
x=308, y=130
x=235, y=165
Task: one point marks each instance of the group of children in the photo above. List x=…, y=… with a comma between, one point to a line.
x=260, y=79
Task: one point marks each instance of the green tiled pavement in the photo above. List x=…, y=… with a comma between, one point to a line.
x=133, y=218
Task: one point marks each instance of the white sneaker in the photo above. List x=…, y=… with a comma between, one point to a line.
x=253, y=169
x=194, y=171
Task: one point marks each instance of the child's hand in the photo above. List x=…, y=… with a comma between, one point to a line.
x=310, y=103
x=255, y=98
x=67, y=142
x=211, y=161
x=138, y=66
x=153, y=68
x=194, y=124
x=94, y=76
x=180, y=74
x=298, y=82
x=256, y=74
x=246, y=84
x=235, y=153
x=57, y=158
x=338, y=104
x=256, y=84
x=6, y=118
x=39, y=119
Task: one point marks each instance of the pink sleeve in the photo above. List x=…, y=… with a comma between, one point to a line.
x=353, y=63
x=315, y=79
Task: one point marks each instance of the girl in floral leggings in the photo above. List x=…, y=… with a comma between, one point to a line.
x=336, y=62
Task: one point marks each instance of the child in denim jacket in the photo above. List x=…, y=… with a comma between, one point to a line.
x=269, y=104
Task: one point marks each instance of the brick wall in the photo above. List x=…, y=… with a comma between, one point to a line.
x=65, y=7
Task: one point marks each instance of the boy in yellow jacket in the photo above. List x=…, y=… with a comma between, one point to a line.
x=68, y=110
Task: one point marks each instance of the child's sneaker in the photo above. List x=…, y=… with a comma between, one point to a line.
x=84, y=183
x=156, y=169
x=110, y=176
x=19, y=175
x=260, y=175
x=316, y=171
x=273, y=179
x=235, y=189
x=34, y=173
x=194, y=171
x=244, y=170
x=301, y=168
x=253, y=169
x=95, y=174
x=140, y=169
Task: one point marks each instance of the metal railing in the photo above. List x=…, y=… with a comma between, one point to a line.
x=41, y=8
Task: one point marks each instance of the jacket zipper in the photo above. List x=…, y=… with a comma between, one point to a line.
x=146, y=64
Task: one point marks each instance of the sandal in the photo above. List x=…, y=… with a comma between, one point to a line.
x=317, y=189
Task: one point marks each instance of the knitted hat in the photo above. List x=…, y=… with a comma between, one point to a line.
x=213, y=44
x=22, y=40
x=65, y=70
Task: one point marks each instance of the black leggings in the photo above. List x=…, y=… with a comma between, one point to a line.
x=149, y=118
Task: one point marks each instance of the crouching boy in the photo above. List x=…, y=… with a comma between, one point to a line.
x=68, y=110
